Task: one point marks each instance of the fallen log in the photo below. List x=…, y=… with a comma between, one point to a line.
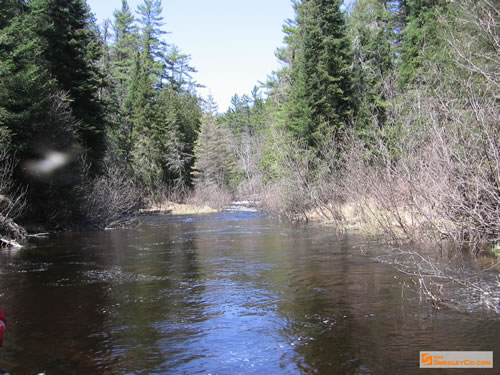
x=11, y=233
x=9, y=243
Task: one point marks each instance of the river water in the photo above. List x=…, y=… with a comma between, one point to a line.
x=226, y=293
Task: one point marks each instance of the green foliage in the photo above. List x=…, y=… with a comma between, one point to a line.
x=214, y=163
x=124, y=48
x=320, y=97
x=164, y=127
x=49, y=86
x=65, y=88
x=420, y=39
x=158, y=113
x=151, y=45
x=372, y=30
x=69, y=47
x=177, y=71
x=246, y=114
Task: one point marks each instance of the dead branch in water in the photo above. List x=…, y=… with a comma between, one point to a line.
x=432, y=281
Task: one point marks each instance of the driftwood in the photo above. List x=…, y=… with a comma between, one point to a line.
x=39, y=235
x=11, y=233
x=123, y=222
x=9, y=243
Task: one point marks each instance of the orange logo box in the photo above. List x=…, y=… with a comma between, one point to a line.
x=425, y=359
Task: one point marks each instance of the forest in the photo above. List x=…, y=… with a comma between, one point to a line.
x=385, y=116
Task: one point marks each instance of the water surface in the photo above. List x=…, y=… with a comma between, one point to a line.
x=226, y=293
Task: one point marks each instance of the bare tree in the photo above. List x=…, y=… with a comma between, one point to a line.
x=110, y=197
x=12, y=202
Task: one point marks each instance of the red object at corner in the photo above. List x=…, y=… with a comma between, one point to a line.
x=3, y=323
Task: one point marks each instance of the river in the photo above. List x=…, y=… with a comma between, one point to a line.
x=226, y=293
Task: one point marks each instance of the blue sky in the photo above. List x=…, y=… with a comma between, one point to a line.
x=231, y=42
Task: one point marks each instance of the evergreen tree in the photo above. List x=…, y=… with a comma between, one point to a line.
x=105, y=66
x=56, y=70
x=11, y=60
x=8, y=10
x=246, y=120
x=190, y=113
x=164, y=128
x=246, y=115
x=28, y=91
x=125, y=46
x=214, y=163
x=152, y=46
x=320, y=98
x=372, y=29
x=121, y=136
x=40, y=111
x=420, y=38
x=70, y=51
x=177, y=71
x=172, y=143
x=237, y=116
x=144, y=116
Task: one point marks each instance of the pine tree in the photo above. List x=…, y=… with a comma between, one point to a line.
x=151, y=44
x=40, y=106
x=27, y=89
x=9, y=18
x=246, y=115
x=320, y=98
x=124, y=49
x=237, y=116
x=172, y=143
x=278, y=84
x=420, y=38
x=372, y=29
x=8, y=10
x=144, y=117
x=70, y=51
x=214, y=163
x=177, y=71
x=105, y=61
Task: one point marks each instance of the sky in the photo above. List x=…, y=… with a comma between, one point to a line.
x=231, y=42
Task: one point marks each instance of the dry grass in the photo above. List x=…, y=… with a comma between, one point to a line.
x=174, y=208
x=366, y=217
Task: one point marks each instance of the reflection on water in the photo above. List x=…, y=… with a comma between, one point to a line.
x=225, y=293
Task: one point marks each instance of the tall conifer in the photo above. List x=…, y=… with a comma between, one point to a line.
x=321, y=90
x=71, y=50
x=124, y=49
x=152, y=46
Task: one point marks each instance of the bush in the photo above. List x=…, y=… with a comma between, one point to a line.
x=110, y=197
x=210, y=195
x=12, y=201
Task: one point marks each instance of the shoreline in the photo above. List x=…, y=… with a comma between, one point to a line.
x=173, y=208
x=396, y=225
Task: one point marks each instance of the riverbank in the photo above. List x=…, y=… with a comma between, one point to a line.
x=401, y=224
x=419, y=225
x=367, y=217
x=424, y=250
x=13, y=235
x=173, y=208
